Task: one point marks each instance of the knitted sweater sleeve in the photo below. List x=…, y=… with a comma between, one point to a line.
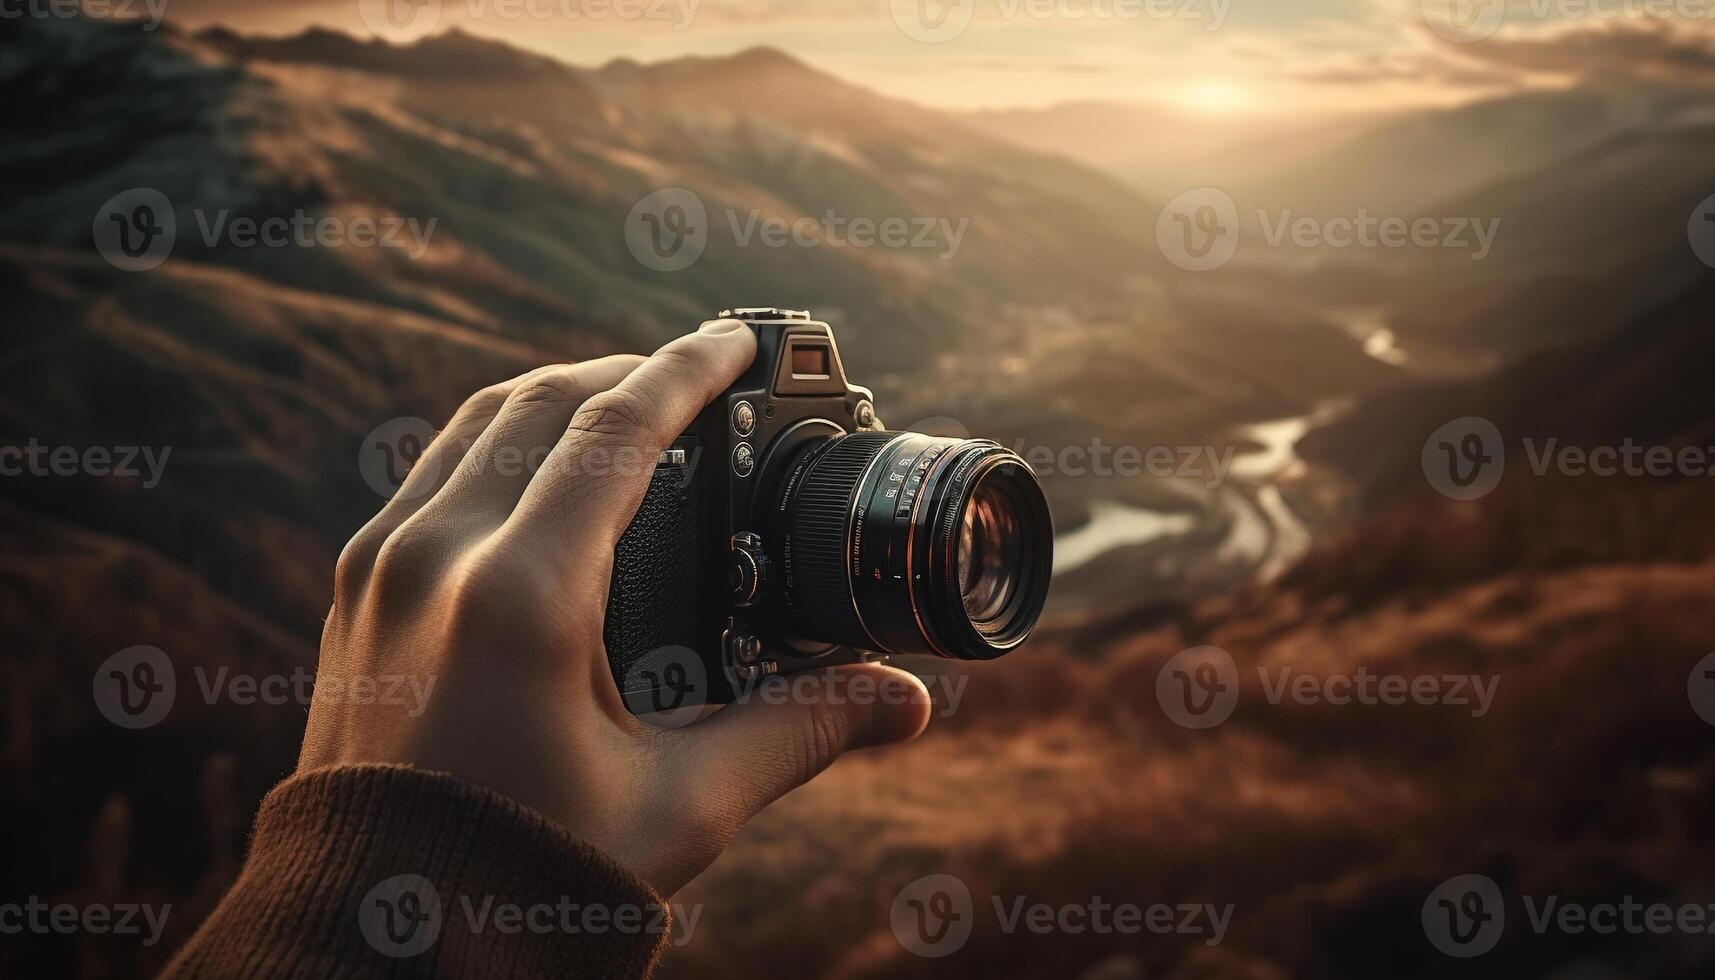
x=371, y=871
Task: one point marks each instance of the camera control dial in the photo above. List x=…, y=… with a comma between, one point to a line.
x=751, y=569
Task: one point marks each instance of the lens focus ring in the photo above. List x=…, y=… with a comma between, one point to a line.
x=817, y=545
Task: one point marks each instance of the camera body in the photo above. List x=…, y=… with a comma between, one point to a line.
x=696, y=583
x=787, y=530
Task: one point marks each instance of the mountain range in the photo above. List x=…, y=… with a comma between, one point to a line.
x=1057, y=322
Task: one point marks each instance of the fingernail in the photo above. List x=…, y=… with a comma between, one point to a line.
x=720, y=326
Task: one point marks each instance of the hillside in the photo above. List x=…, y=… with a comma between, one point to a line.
x=1055, y=324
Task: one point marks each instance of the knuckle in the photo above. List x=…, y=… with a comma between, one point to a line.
x=553, y=387
x=484, y=403
x=691, y=368
x=405, y=559
x=682, y=357
x=470, y=596
x=616, y=413
x=351, y=569
x=485, y=596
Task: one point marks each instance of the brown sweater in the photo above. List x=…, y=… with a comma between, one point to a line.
x=371, y=871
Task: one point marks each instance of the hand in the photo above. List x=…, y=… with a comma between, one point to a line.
x=493, y=580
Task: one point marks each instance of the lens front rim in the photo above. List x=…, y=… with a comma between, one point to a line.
x=939, y=597
x=903, y=534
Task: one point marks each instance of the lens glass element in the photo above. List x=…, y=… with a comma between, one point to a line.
x=988, y=554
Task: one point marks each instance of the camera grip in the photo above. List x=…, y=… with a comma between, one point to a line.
x=655, y=597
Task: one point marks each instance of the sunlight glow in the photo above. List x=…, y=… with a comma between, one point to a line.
x=1215, y=96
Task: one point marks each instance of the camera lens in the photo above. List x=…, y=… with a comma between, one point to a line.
x=907, y=543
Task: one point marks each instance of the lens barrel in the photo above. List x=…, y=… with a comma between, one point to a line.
x=901, y=542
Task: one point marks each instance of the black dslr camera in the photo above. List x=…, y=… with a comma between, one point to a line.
x=787, y=530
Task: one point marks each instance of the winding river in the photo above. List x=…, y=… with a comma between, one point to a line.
x=1263, y=530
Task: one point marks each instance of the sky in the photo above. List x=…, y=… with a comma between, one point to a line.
x=1231, y=58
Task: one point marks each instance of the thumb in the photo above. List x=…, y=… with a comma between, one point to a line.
x=780, y=734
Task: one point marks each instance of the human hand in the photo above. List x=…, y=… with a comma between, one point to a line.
x=493, y=582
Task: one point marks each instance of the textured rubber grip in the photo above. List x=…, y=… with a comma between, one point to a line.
x=655, y=598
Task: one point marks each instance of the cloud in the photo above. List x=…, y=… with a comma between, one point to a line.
x=1640, y=50
x=1421, y=67
x=1653, y=51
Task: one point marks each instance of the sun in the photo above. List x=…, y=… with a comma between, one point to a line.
x=1216, y=96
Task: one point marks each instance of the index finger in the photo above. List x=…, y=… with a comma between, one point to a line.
x=592, y=482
